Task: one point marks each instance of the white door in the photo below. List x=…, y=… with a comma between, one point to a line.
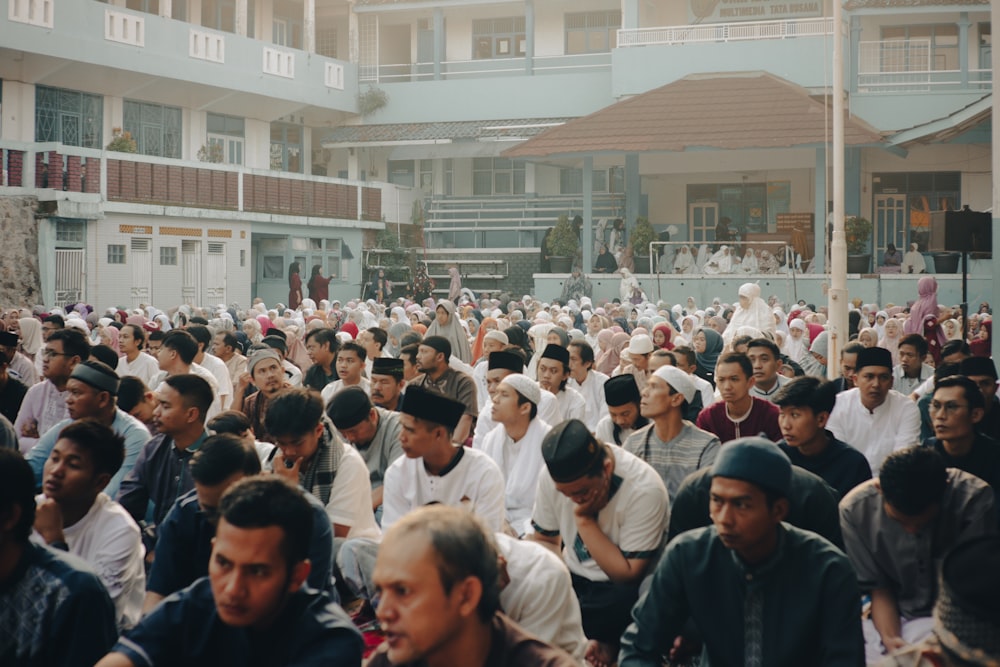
x=703, y=218
x=69, y=277
x=890, y=224
x=191, y=272
x=215, y=274
x=142, y=271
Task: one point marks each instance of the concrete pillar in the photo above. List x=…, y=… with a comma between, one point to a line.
x=529, y=36
x=241, y=18
x=963, y=47
x=633, y=191
x=438, y=41
x=166, y=8
x=587, y=233
x=854, y=55
x=529, y=179
x=353, y=168
x=995, y=5
x=820, y=213
x=438, y=167
x=353, y=37
x=309, y=26
x=852, y=181
x=630, y=14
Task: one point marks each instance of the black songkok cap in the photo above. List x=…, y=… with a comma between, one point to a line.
x=8, y=339
x=557, y=352
x=349, y=407
x=873, y=356
x=570, y=450
x=621, y=390
x=506, y=360
x=438, y=344
x=432, y=407
x=387, y=366
x=978, y=366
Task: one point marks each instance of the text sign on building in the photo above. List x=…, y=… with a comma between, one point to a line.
x=724, y=11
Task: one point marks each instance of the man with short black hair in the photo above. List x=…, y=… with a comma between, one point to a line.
x=848, y=366
x=217, y=367
x=765, y=357
x=408, y=353
x=265, y=372
x=587, y=381
x=553, y=377
x=131, y=340
x=501, y=364
x=177, y=357
x=91, y=392
x=74, y=515
x=806, y=404
x=154, y=341
x=321, y=346
x=687, y=361
x=739, y=413
x=432, y=360
x=44, y=404
x=372, y=430
x=983, y=372
x=311, y=455
x=253, y=607
x=373, y=340
x=897, y=527
x=12, y=390
x=621, y=393
x=185, y=536
x=54, y=610
x=759, y=591
x=161, y=473
x=911, y=371
x=350, y=365
x=387, y=383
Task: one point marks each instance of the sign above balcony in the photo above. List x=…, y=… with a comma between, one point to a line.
x=728, y=11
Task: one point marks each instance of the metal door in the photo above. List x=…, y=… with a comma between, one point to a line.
x=142, y=271
x=215, y=274
x=191, y=272
x=890, y=224
x=703, y=218
x=69, y=277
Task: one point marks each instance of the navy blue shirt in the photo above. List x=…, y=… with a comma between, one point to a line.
x=184, y=546
x=841, y=466
x=185, y=629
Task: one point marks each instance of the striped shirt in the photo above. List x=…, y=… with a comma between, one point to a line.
x=691, y=450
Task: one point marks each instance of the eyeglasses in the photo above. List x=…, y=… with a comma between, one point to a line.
x=949, y=408
x=48, y=354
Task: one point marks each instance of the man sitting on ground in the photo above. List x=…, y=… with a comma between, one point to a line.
x=739, y=413
x=624, y=413
x=350, y=365
x=44, y=405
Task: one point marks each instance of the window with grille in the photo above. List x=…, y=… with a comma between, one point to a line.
x=909, y=51
x=326, y=42
x=497, y=176
x=68, y=117
x=116, y=253
x=592, y=32
x=155, y=127
x=168, y=256
x=228, y=133
x=498, y=38
x=70, y=231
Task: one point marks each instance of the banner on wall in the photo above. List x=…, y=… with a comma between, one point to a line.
x=725, y=11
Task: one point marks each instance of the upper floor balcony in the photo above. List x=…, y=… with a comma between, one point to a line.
x=798, y=50
x=101, y=48
x=106, y=179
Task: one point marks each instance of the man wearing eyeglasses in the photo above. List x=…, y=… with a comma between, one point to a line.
x=873, y=417
x=956, y=411
x=44, y=405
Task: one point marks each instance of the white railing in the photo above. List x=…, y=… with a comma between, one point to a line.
x=725, y=32
x=33, y=12
x=906, y=65
x=210, y=46
x=124, y=28
x=473, y=69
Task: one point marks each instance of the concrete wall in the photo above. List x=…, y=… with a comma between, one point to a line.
x=20, y=282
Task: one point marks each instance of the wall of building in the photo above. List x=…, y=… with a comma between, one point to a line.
x=20, y=280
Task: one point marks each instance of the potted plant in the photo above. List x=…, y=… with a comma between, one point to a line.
x=122, y=142
x=857, y=231
x=562, y=245
x=642, y=235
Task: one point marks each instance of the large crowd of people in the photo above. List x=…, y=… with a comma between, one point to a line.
x=499, y=481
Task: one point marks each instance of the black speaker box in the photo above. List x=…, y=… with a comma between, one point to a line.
x=961, y=231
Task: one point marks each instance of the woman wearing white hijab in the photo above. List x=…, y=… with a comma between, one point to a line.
x=913, y=261
x=446, y=323
x=629, y=287
x=752, y=311
x=721, y=262
x=702, y=260
x=749, y=263
x=797, y=343
x=684, y=261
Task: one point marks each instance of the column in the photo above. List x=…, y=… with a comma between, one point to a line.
x=852, y=181
x=309, y=26
x=353, y=38
x=963, y=47
x=438, y=41
x=529, y=36
x=630, y=14
x=166, y=8
x=587, y=233
x=995, y=56
x=241, y=17
x=820, y=213
x=854, y=55
x=632, y=189
x=353, y=169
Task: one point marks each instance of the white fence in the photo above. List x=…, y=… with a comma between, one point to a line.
x=725, y=32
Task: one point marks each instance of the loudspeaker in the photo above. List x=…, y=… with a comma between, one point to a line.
x=961, y=231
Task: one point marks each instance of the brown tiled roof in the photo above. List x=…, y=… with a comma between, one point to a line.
x=891, y=4
x=444, y=130
x=727, y=111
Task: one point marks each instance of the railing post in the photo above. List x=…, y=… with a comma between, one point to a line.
x=963, y=47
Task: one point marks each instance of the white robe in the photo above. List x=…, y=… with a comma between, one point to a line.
x=684, y=261
x=520, y=462
x=720, y=262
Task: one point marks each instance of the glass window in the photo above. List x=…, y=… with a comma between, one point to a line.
x=168, y=256
x=286, y=147
x=498, y=38
x=497, y=176
x=70, y=231
x=571, y=181
x=592, y=32
x=116, y=253
x=155, y=127
x=273, y=246
x=227, y=132
x=273, y=267
x=68, y=117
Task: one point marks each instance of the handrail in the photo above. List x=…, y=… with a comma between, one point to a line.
x=725, y=32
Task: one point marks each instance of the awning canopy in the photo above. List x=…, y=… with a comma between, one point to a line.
x=943, y=130
x=729, y=111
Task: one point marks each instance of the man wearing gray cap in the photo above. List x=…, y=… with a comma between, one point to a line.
x=91, y=392
x=265, y=372
x=789, y=594
x=671, y=444
x=515, y=445
x=609, y=509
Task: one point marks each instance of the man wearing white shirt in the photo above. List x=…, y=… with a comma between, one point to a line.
x=515, y=445
x=493, y=341
x=131, y=340
x=501, y=364
x=74, y=515
x=587, y=381
x=553, y=376
x=621, y=393
x=350, y=362
x=217, y=367
x=176, y=357
x=873, y=417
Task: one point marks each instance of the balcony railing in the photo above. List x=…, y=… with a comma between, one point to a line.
x=725, y=32
x=139, y=179
x=905, y=66
x=477, y=69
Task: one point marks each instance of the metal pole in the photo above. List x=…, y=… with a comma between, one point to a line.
x=838, y=250
x=995, y=301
